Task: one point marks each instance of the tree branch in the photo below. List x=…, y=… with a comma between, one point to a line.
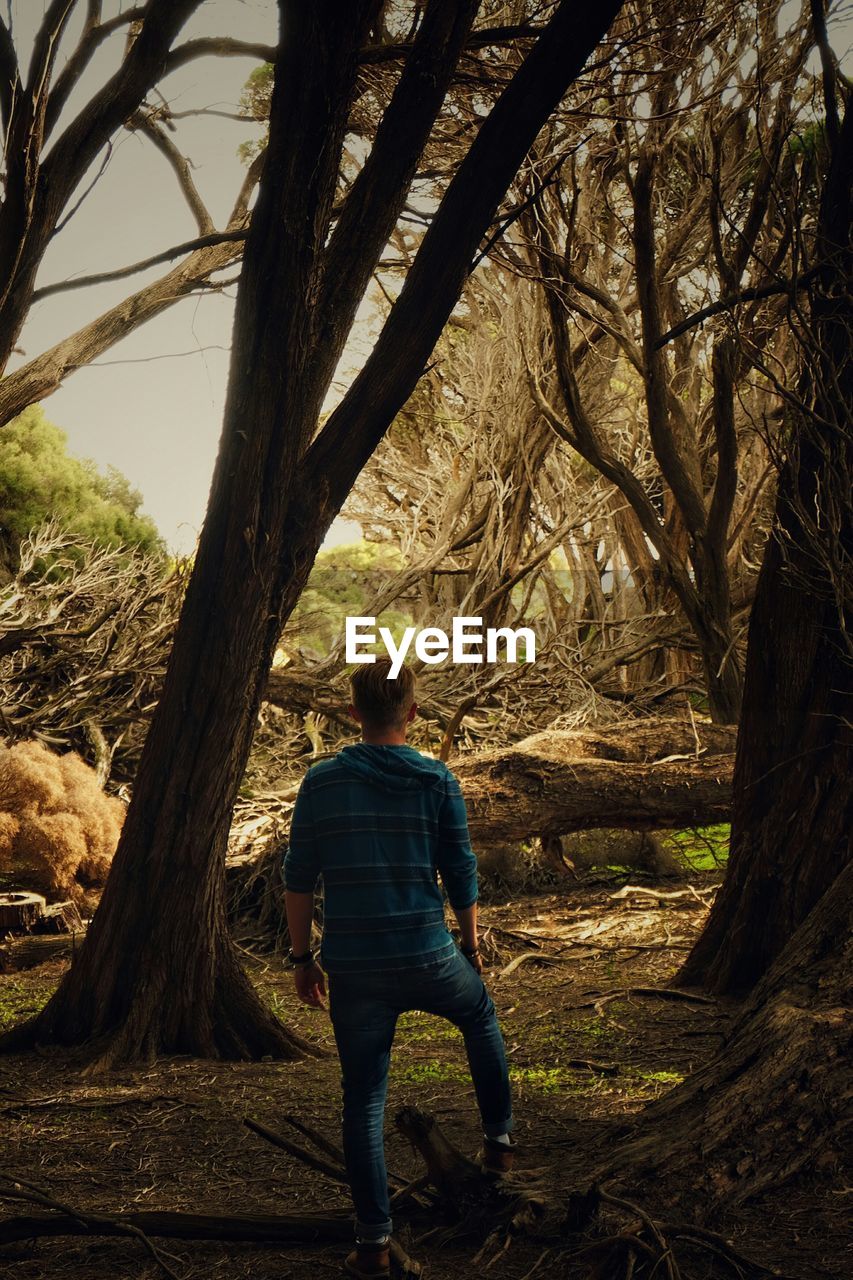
x=440, y=267
x=827, y=62
x=378, y=195
x=121, y=273
x=43, y=375
x=756, y=294
x=10, y=75
x=673, y=467
x=374, y=55
x=219, y=47
x=92, y=38
x=147, y=124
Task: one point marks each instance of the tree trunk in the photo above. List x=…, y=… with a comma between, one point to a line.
x=773, y=1102
x=148, y=980
x=792, y=828
x=156, y=980
x=651, y=776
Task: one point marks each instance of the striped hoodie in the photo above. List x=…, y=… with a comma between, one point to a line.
x=378, y=823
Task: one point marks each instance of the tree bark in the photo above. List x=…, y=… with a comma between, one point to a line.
x=147, y=982
x=774, y=1101
x=556, y=782
x=792, y=828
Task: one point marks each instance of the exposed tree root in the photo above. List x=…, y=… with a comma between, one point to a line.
x=595, y=1236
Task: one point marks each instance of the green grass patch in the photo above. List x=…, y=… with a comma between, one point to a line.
x=21, y=998
x=700, y=848
x=432, y=1073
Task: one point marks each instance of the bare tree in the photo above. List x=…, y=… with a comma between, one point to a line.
x=669, y=193
x=792, y=830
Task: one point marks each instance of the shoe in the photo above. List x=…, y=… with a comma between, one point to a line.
x=496, y=1158
x=369, y=1261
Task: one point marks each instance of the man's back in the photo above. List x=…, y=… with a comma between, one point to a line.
x=377, y=822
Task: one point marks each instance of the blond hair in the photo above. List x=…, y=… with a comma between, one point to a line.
x=381, y=701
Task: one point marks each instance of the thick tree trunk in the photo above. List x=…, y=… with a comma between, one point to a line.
x=149, y=980
x=642, y=777
x=775, y=1100
x=156, y=980
x=792, y=828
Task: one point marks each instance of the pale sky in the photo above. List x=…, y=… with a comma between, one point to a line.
x=154, y=414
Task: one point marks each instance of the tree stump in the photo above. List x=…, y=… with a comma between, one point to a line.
x=61, y=917
x=20, y=911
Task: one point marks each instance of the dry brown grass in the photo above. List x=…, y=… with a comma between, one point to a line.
x=58, y=829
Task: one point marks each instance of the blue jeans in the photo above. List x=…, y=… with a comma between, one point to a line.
x=364, y=1008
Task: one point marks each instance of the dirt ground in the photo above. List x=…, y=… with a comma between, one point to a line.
x=172, y=1137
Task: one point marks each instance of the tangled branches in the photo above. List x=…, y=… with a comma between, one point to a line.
x=85, y=632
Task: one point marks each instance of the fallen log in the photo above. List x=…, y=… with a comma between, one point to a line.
x=641, y=776
x=32, y=950
x=247, y=1228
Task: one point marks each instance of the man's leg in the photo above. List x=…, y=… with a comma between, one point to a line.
x=364, y=1031
x=454, y=991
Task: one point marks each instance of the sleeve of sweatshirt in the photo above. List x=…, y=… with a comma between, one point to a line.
x=302, y=859
x=455, y=860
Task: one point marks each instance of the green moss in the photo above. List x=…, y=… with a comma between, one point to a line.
x=432, y=1073
x=660, y=1077
x=22, y=998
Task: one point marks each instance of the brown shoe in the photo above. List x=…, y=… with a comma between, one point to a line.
x=369, y=1261
x=496, y=1158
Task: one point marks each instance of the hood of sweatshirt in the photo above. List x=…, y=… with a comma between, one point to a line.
x=392, y=768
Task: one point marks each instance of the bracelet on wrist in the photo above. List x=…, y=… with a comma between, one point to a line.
x=299, y=962
x=469, y=951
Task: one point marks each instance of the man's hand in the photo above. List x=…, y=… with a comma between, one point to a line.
x=475, y=960
x=310, y=984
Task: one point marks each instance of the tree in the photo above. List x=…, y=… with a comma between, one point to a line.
x=39, y=480
x=666, y=199
x=792, y=829
x=58, y=152
x=144, y=983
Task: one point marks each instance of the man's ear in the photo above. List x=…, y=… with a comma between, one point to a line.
x=411, y=713
x=355, y=715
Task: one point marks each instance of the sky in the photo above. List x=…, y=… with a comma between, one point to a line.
x=152, y=405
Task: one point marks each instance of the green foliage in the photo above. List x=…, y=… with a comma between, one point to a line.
x=343, y=582
x=39, y=480
x=700, y=848
x=255, y=105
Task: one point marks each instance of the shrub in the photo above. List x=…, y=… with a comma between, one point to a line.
x=58, y=829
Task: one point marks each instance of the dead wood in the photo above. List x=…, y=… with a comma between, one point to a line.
x=398, y=1186
x=28, y=952
x=20, y=912
x=247, y=1228
x=662, y=774
x=334, y=1171
x=61, y=917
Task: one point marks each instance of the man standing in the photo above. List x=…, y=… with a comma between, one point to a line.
x=378, y=821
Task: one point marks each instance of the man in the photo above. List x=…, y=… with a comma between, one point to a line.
x=378, y=821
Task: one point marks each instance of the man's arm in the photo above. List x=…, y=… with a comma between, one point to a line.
x=457, y=866
x=307, y=975
x=467, y=919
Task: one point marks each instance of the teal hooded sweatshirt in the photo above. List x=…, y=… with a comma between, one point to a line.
x=380, y=824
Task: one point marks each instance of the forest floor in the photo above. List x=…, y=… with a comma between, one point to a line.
x=172, y=1136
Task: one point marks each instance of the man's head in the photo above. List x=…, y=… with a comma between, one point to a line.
x=382, y=706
